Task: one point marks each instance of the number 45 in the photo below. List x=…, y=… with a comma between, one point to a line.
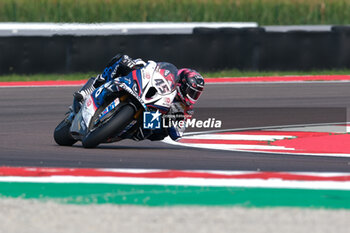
x=162, y=86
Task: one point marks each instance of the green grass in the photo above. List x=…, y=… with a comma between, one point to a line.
x=161, y=195
x=265, y=12
x=225, y=73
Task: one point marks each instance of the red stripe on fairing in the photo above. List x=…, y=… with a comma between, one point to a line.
x=224, y=141
x=45, y=172
x=93, y=102
x=134, y=76
x=280, y=79
x=43, y=83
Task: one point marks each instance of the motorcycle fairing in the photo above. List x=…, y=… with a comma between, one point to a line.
x=78, y=127
x=138, y=84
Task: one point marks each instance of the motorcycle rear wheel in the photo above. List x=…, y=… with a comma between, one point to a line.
x=114, y=126
x=62, y=134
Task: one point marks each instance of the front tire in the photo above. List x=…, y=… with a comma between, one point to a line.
x=114, y=126
x=62, y=134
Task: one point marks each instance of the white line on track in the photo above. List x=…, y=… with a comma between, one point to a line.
x=251, y=183
x=241, y=148
x=261, y=128
x=240, y=137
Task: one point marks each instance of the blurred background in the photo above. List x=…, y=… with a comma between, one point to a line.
x=265, y=12
x=219, y=37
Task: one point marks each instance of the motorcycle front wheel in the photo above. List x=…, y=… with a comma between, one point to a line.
x=114, y=126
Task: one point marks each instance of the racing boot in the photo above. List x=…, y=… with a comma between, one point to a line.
x=85, y=91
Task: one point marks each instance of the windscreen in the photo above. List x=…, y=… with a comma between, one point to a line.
x=169, y=72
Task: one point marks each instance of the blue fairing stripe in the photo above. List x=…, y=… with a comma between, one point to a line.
x=136, y=74
x=95, y=101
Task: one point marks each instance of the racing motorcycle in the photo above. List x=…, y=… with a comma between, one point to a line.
x=114, y=111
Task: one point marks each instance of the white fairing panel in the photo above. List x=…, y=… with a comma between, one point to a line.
x=167, y=100
x=88, y=110
x=151, y=78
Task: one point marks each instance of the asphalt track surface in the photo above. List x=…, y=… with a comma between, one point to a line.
x=29, y=115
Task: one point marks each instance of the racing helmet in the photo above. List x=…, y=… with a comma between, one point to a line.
x=190, y=85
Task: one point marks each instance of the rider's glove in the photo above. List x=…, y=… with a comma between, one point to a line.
x=121, y=65
x=139, y=63
x=126, y=65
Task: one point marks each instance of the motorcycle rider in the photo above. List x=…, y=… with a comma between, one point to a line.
x=189, y=85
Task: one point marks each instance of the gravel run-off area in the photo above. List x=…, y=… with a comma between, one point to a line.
x=17, y=215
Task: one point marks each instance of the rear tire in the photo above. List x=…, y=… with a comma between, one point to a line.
x=62, y=134
x=114, y=126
